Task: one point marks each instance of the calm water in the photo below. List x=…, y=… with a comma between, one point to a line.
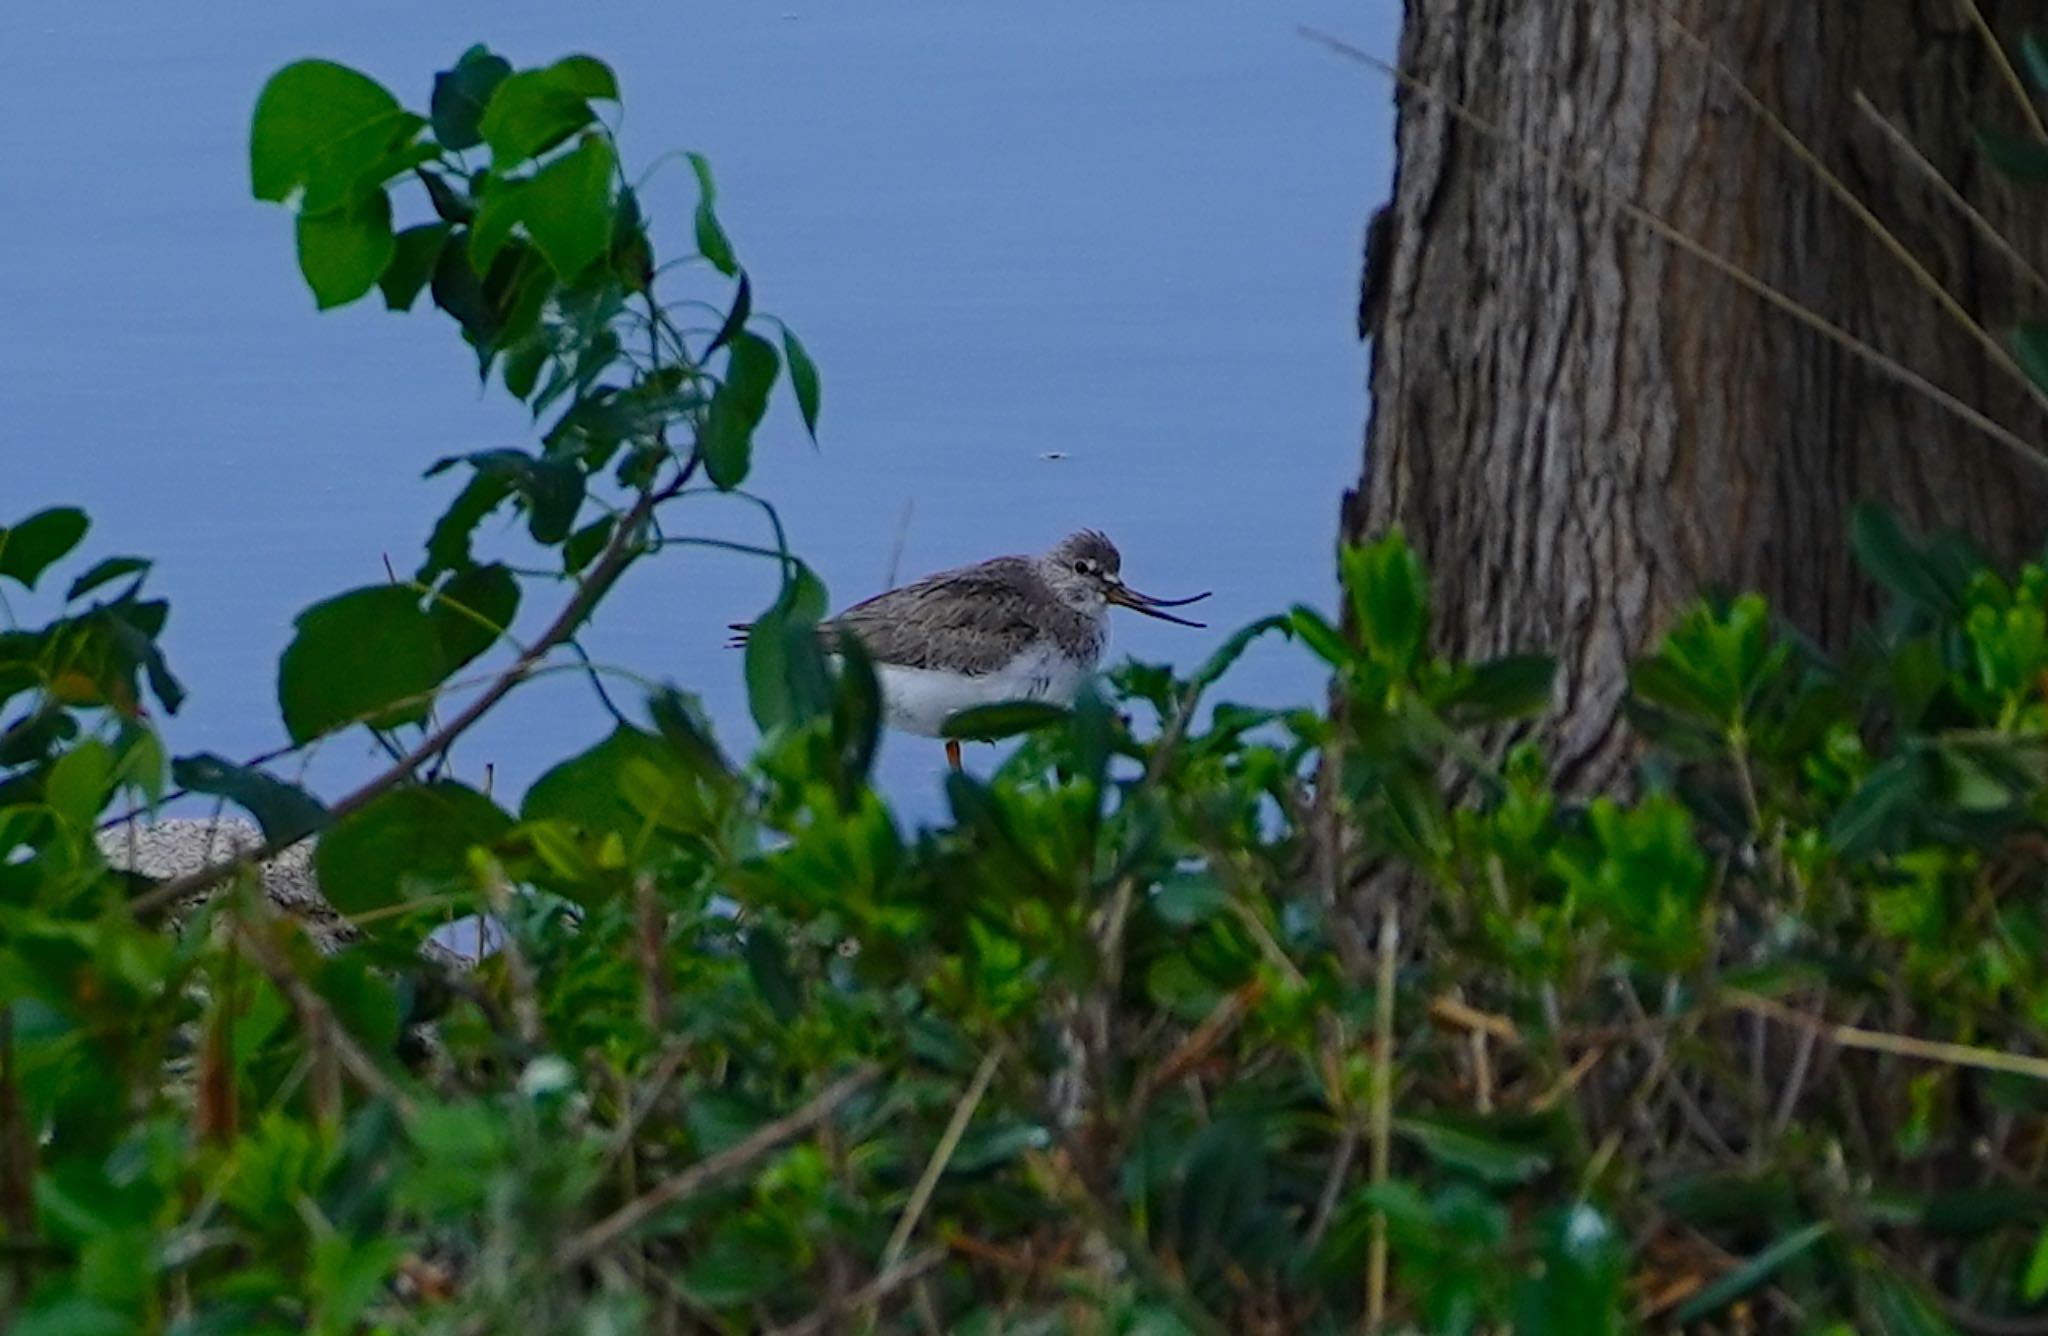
x=1123, y=232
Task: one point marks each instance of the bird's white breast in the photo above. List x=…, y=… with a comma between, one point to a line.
x=920, y=700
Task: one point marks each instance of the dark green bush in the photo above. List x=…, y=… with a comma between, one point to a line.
x=1194, y=1016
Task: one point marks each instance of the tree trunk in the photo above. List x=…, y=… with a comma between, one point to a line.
x=1582, y=428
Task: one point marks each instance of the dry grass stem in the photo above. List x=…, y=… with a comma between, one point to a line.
x=935, y=1168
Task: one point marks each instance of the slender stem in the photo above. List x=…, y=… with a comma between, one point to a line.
x=2005, y=69
x=713, y=1168
x=1382, y=1115
x=1920, y=163
x=935, y=1168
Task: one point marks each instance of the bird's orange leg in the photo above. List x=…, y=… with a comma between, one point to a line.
x=953, y=752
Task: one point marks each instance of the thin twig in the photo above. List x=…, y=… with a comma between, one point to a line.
x=1795, y=1084
x=1459, y=1014
x=1333, y=1187
x=1925, y=167
x=1382, y=1115
x=713, y=1168
x=1861, y=349
x=896, y=548
x=867, y=1296
x=654, y=1086
x=610, y=564
x=1899, y=1045
x=2005, y=69
x=935, y=1168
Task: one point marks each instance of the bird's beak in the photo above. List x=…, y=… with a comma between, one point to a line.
x=1124, y=596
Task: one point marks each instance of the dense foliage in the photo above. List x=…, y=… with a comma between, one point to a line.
x=1194, y=1016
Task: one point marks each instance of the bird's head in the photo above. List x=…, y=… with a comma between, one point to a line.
x=1086, y=571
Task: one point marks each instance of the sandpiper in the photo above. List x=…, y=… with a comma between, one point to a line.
x=1010, y=628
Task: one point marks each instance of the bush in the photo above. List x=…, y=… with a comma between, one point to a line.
x=1194, y=1017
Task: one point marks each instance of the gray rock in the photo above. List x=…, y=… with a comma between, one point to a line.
x=178, y=845
x=175, y=846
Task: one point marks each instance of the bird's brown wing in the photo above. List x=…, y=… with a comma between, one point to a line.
x=974, y=619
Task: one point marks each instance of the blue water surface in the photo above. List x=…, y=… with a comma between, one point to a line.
x=1078, y=262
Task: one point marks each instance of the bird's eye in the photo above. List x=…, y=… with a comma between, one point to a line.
x=1084, y=566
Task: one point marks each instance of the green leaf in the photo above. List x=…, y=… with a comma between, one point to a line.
x=684, y=727
x=414, y=253
x=71, y=1316
x=567, y=207
x=460, y=95
x=134, y=629
x=1315, y=631
x=343, y=252
x=2035, y=55
x=803, y=378
x=554, y=493
x=737, y=407
x=1665, y=682
x=284, y=811
x=532, y=111
x=2030, y=344
x=1094, y=734
x=29, y=548
x=584, y=545
x=2034, y=1284
x=1898, y=563
x=348, y=1275
x=450, y=205
x=366, y=656
x=2019, y=156
x=737, y=1266
x=1004, y=719
x=1231, y=650
x=1488, y=1158
x=712, y=242
x=785, y=666
x=448, y=545
x=587, y=76
x=496, y=220
x=1873, y=811
x=1188, y=898
x=523, y=365
x=362, y=997
x=459, y=290
x=1899, y=1307
x=1511, y=687
x=78, y=783
x=856, y=714
x=1579, y=1287
x=422, y=832
x=106, y=572
x=1732, y=1285
x=587, y=790
x=768, y=965
x=735, y=316
x=472, y=610
x=552, y=488
x=1389, y=597
x=305, y=113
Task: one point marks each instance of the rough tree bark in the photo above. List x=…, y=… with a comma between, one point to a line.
x=1582, y=428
